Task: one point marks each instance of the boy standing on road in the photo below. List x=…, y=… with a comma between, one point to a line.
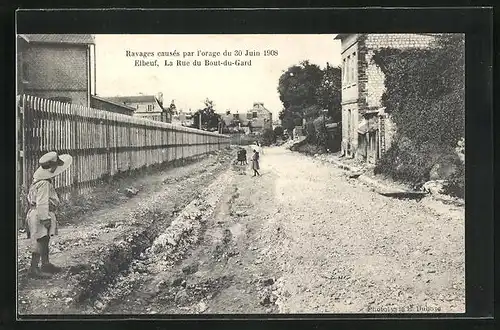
x=41, y=221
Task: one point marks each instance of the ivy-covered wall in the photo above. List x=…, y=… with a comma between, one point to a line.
x=372, y=77
x=425, y=96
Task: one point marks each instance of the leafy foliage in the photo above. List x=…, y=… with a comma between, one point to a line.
x=298, y=85
x=425, y=95
x=456, y=184
x=411, y=162
x=310, y=131
x=268, y=137
x=278, y=131
x=172, y=108
x=305, y=91
x=319, y=126
x=329, y=93
x=209, y=119
x=425, y=90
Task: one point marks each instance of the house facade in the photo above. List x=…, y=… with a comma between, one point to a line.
x=183, y=118
x=259, y=118
x=367, y=130
x=240, y=118
x=58, y=67
x=145, y=106
x=254, y=120
x=228, y=118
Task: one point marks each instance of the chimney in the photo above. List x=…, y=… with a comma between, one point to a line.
x=159, y=97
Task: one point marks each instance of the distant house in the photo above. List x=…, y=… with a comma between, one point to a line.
x=276, y=123
x=228, y=118
x=367, y=130
x=146, y=106
x=241, y=119
x=101, y=103
x=297, y=132
x=182, y=118
x=259, y=118
x=59, y=67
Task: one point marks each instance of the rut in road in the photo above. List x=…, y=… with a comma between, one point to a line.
x=303, y=238
x=222, y=273
x=93, y=248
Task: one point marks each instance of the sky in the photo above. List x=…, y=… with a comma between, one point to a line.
x=230, y=88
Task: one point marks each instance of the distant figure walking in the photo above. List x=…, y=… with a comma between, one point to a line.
x=255, y=163
x=41, y=221
x=244, y=160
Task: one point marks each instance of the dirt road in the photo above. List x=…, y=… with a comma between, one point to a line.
x=302, y=238
x=94, y=247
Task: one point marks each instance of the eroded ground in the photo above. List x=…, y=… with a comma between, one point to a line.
x=302, y=238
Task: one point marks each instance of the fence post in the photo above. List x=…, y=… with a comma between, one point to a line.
x=76, y=145
x=129, y=144
x=145, y=143
x=108, y=142
x=21, y=184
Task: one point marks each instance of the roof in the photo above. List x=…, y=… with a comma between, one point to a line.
x=138, y=99
x=132, y=99
x=259, y=108
x=111, y=102
x=341, y=36
x=75, y=39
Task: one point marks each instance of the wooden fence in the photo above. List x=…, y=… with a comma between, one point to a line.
x=102, y=143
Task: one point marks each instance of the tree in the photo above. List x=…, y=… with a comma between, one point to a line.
x=209, y=118
x=290, y=118
x=172, y=108
x=329, y=93
x=312, y=112
x=250, y=126
x=268, y=137
x=305, y=91
x=297, y=90
x=278, y=131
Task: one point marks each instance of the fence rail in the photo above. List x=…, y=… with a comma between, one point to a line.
x=102, y=143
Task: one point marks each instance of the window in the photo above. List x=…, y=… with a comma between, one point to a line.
x=343, y=72
x=150, y=107
x=348, y=69
x=254, y=114
x=353, y=68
